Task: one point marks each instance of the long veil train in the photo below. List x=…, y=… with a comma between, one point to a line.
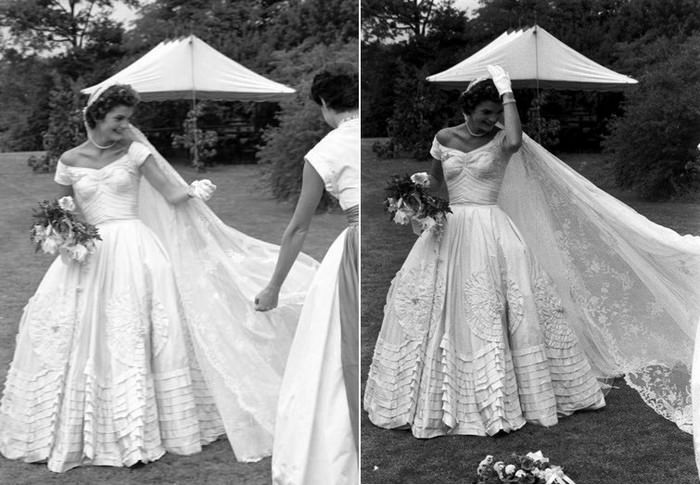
x=219, y=270
x=631, y=287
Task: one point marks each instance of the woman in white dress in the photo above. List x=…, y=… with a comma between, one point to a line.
x=152, y=345
x=540, y=281
x=316, y=433
x=473, y=339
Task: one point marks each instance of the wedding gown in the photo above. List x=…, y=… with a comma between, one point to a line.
x=152, y=345
x=474, y=339
x=627, y=288
x=316, y=431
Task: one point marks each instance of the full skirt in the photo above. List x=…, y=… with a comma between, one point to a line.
x=474, y=339
x=104, y=370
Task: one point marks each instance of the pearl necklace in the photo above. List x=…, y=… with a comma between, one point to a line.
x=477, y=135
x=101, y=147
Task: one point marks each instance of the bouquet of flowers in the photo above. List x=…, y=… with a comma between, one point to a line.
x=408, y=201
x=57, y=230
x=528, y=468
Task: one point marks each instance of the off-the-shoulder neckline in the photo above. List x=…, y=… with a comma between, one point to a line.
x=93, y=168
x=469, y=151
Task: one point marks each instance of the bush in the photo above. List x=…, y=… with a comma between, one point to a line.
x=66, y=128
x=200, y=144
x=300, y=125
x=546, y=130
x=653, y=143
x=384, y=149
x=420, y=110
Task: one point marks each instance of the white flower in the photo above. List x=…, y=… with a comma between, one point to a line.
x=66, y=203
x=510, y=469
x=403, y=216
x=421, y=178
x=427, y=223
x=520, y=474
x=537, y=457
x=51, y=244
x=79, y=252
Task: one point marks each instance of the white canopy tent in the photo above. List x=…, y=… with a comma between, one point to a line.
x=534, y=58
x=189, y=68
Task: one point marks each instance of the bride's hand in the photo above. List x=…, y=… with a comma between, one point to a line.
x=202, y=189
x=500, y=78
x=267, y=299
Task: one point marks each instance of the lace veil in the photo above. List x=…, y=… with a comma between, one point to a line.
x=631, y=288
x=219, y=270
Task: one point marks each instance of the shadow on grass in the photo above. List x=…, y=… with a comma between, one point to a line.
x=626, y=442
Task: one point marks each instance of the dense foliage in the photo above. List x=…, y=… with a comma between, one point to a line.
x=300, y=122
x=655, y=142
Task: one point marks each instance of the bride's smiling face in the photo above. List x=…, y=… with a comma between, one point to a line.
x=484, y=117
x=115, y=122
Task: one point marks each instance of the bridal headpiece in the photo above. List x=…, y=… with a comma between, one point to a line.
x=95, y=95
x=474, y=83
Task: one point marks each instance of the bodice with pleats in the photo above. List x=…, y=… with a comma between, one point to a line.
x=474, y=177
x=109, y=193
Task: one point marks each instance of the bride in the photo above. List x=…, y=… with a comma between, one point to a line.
x=152, y=345
x=540, y=281
x=473, y=340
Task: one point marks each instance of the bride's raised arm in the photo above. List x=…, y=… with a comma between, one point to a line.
x=511, y=117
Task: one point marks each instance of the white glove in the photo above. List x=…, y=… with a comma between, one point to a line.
x=500, y=78
x=202, y=189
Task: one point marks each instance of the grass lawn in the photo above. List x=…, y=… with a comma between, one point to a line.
x=242, y=203
x=627, y=442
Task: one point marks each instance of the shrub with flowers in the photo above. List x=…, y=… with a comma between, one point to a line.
x=528, y=468
x=407, y=201
x=57, y=230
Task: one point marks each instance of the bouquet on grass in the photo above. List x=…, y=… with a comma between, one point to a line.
x=57, y=230
x=407, y=201
x=528, y=468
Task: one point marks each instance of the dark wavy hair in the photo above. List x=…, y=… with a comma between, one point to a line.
x=113, y=96
x=337, y=84
x=482, y=91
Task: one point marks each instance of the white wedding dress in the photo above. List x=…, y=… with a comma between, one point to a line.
x=536, y=263
x=317, y=419
x=152, y=345
x=474, y=339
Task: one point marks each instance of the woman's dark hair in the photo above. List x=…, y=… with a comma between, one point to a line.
x=337, y=84
x=113, y=96
x=482, y=91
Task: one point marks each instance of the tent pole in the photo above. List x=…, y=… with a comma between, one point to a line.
x=195, y=162
x=537, y=86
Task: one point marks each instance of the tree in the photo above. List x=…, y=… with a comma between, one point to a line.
x=300, y=124
x=396, y=19
x=654, y=143
x=46, y=25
